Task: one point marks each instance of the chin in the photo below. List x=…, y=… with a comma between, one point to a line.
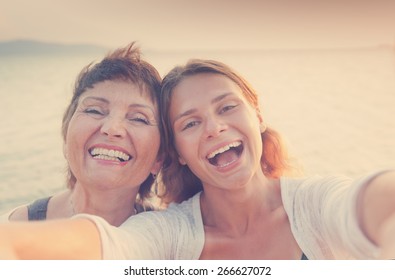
x=105, y=183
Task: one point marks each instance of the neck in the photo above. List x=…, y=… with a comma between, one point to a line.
x=233, y=211
x=114, y=205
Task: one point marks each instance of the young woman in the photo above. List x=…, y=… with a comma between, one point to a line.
x=111, y=142
x=221, y=152
x=227, y=171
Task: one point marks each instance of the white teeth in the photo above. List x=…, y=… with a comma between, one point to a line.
x=106, y=158
x=106, y=154
x=224, y=149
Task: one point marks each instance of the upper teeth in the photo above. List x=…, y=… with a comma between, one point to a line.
x=110, y=153
x=224, y=149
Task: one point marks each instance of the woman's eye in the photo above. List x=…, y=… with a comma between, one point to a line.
x=189, y=125
x=140, y=120
x=227, y=108
x=93, y=111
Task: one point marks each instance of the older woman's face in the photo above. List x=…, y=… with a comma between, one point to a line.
x=113, y=138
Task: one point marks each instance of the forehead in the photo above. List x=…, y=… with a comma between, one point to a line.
x=206, y=84
x=198, y=92
x=124, y=91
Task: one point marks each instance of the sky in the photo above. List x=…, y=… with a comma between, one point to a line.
x=202, y=24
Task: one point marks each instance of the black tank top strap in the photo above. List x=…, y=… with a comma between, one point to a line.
x=304, y=257
x=38, y=209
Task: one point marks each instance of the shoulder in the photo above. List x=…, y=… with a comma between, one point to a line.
x=175, y=215
x=314, y=185
x=170, y=233
x=36, y=210
x=187, y=206
x=19, y=214
x=189, y=210
x=177, y=218
x=313, y=196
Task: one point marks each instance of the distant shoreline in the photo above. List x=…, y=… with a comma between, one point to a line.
x=40, y=47
x=37, y=47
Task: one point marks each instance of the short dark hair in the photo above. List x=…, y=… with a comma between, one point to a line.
x=122, y=64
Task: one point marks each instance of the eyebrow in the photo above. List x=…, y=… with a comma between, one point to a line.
x=95, y=98
x=101, y=99
x=191, y=111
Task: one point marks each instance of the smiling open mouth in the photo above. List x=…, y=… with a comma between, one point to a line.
x=106, y=154
x=226, y=155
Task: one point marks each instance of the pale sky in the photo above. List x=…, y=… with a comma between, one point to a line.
x=203, y=24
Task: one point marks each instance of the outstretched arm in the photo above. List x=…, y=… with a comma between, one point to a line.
x=377, y=213
x=56, y=239
x=387, y=238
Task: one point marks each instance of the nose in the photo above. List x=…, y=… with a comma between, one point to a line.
x=214, y=126
x=113, y=127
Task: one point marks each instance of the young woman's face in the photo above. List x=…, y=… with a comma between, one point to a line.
x=216, y=130
x=113, y=138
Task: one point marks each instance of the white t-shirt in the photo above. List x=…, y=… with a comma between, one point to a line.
x=321, y=211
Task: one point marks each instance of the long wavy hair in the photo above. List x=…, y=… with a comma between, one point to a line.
x=179, y=182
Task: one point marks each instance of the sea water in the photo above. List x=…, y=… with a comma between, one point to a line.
x=335, y=109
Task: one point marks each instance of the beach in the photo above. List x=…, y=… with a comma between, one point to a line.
x=334, y=108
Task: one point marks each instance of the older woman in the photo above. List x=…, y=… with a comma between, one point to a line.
x=111, y=142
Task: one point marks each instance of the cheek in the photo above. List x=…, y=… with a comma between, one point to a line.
x=250, y=121
x=67, y=146
x=146, y=140
x=77, y=136
x=186, y=148
x=70, y=149
x=80, y=129
x=71, y=157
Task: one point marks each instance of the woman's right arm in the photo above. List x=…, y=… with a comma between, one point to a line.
x=56, y=239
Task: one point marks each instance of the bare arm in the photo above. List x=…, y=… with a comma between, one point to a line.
x=377, y=213
x=56, y=239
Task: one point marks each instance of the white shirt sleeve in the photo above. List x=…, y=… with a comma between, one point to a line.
x=323, y=216
x=174, y=233
x=144, y=236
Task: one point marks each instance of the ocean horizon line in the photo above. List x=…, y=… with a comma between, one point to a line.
x=38, y=46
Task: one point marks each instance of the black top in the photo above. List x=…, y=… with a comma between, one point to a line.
x=38, y=209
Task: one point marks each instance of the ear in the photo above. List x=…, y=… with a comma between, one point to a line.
x=262, y=125
x=65, y=150
x=156, y=167
x=181, y=161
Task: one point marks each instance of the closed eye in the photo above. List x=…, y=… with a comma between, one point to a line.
x=93, y=111
x=139, y=118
